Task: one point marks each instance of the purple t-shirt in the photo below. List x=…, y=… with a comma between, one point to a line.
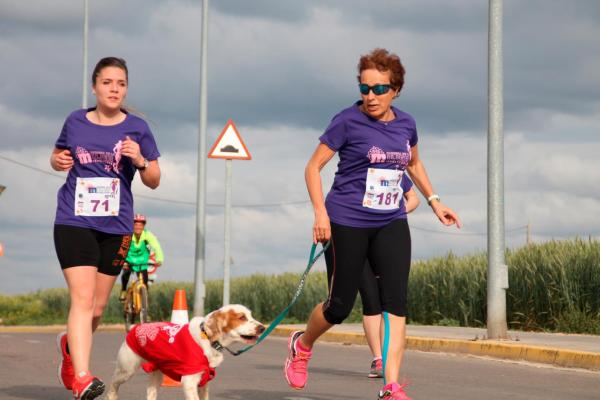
x=371, y=153
x=96, y=152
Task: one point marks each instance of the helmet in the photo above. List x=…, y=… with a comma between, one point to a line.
x=139, y=218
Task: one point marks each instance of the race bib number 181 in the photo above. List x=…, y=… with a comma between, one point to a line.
x=97, y=197
x=383, y=190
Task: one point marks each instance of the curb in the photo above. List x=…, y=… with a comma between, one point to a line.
x=490, y=348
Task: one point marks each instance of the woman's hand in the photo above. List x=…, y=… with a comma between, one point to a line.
x=131, y=149
x=321, y=228
x=61, y=160
x=445, y=214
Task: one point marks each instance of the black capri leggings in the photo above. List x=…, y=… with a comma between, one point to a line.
x=387, y=249
x=369, y=291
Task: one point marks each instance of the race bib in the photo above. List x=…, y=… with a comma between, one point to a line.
x=383, y=190
x=97, y=197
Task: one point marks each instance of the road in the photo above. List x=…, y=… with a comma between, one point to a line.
x=28, y=363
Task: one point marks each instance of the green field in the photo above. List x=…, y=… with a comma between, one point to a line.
x=554, y=286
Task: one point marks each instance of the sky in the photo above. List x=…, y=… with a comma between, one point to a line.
x=281, y=70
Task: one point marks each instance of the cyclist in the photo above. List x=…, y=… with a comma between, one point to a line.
x=142, y=243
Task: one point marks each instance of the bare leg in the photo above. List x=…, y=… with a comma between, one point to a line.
x=316, y=326
x=397, y=343
x=372, y=327
x=81, y=281
x=104, y=285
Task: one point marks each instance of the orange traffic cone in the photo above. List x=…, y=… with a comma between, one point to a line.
x=179, y=315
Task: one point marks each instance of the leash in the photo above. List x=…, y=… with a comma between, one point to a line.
x=311, y=261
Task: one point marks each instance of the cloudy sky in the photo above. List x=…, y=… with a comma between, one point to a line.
x=281, y=70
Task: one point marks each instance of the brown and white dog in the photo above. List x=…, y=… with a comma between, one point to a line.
x=172, y=349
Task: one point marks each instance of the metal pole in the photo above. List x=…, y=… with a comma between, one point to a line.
x=497, y=269
x=199, y=288
x=227, y=240
x=84, y=100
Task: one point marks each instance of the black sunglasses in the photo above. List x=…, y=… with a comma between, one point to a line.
x=377, y=89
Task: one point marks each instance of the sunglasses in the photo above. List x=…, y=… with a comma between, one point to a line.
x=378, y=89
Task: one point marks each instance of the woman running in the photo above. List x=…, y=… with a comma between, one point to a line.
x=101, y=148
x=364, y=214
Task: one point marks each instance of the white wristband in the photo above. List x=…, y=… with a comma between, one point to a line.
x=433, y=197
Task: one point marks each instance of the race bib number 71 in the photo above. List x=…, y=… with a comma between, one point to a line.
x=97, y=197
x=383, y=190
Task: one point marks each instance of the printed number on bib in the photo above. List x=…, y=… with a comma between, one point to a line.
x=97, y=197
x=383, y=190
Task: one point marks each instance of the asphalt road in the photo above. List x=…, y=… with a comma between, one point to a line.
x=28, y=364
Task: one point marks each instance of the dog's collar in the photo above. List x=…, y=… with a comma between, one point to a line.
x=216, y=344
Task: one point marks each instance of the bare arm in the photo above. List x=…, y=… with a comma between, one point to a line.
x=418, y=174
x=151, y=174
x=322, y=226
x=61, y=160
x=411, y=200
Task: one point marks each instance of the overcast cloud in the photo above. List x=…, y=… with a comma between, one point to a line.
x=281, y=70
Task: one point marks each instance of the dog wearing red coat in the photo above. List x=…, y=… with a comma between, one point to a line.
x=188, y=353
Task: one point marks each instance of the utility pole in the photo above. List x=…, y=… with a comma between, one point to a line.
x=497, y=269
x=200, y=256
x=84, y=101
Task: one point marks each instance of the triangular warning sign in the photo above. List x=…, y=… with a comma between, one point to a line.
x=229, y=145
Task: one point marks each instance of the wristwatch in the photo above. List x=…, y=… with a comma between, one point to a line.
x=144, y=166
x=432, y=198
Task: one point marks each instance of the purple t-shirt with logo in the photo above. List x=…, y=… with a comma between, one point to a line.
x=96, y=152
x=365, y=144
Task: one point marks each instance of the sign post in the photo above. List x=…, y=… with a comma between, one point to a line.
x=229, y=146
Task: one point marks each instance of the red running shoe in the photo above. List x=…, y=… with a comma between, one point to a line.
x=66, y=373
x=87, y=387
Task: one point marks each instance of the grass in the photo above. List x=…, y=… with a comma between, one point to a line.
x=553, y=286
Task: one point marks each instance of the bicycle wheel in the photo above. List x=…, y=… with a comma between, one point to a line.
x=144, y=305
x=129, y=311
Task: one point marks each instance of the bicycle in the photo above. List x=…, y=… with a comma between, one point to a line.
x=136, y=299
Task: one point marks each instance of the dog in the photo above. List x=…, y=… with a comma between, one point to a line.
x=189, y=352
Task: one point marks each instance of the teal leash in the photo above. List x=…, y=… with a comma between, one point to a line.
x=311, y=261
x=386, y=342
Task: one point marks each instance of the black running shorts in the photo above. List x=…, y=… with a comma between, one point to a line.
x=77, y=246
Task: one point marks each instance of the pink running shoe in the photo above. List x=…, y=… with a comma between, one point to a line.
x=66, y=373
x=295, y=370
x=376, y=368
x=393, y=391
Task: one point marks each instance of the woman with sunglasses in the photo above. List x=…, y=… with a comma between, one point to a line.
x=101, y=148
x=364, y=215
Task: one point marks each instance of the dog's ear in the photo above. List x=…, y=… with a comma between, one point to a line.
x=214, y=324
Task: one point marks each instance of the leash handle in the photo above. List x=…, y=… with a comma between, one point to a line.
x=311, y=261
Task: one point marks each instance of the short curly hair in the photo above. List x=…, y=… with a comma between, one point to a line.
x=383, y=61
